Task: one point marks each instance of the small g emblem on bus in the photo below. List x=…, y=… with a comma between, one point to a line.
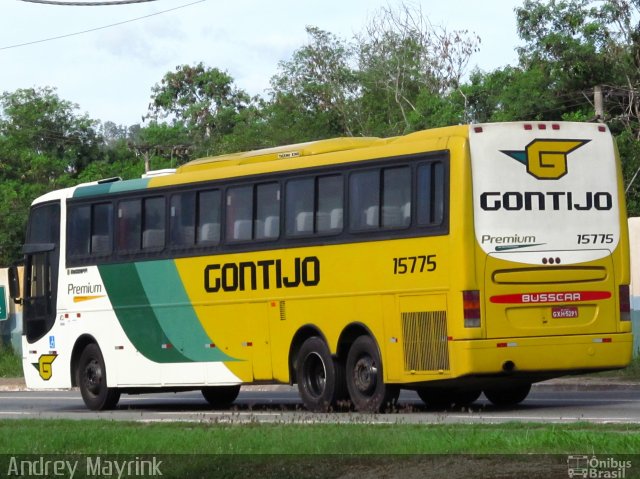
x=546, y=159
x=44, y=365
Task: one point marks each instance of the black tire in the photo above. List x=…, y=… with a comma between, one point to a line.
x=365, y=381
x=320, y=377
x=91, y=377
x=221, y=397
x=437, y=398
x=508, y=396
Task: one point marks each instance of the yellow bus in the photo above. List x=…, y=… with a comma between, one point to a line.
x=451, y=261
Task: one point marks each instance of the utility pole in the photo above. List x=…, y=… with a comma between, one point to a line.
x=145, y=152
x=598, y=103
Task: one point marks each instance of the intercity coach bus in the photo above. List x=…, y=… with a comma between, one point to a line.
x=453, y=262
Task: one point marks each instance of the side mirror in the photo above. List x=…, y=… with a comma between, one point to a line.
x=14, y=284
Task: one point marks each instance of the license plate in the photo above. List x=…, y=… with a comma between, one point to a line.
x=561, y=312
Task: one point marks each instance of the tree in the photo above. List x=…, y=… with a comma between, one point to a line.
x=202, y=99
x=37, y=122
x=581, y=44
x=44, y=145
x=402, y=58
x=312, y=94
x=389, y=80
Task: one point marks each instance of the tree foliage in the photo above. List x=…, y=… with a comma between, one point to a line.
x=204, y=100
x=375, y=84
x=312, y=94
x=403, y=57
x=43, y=145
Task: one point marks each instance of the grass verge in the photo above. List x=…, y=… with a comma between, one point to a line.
x=114, y=437
x=288, y=451
x=631, y=372
x=10, y=363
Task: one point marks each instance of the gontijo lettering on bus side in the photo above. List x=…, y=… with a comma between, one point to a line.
x=264, y=274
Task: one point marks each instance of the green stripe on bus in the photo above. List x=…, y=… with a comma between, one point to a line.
x=136, y=316
x=176, y=316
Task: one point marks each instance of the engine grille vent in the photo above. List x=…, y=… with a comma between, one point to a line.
x=426, y=344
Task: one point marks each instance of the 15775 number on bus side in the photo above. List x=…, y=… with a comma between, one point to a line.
x=414, y=264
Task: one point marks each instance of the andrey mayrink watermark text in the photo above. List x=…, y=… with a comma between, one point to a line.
x=90, y=466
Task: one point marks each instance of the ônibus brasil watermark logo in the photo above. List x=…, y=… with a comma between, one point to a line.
x=596, y=467
x=546, y=159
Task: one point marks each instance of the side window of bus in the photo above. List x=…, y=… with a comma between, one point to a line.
x=153, y=223
x=299, y=207
x=79, y=230
x=380, y=199
x=209, y=217
x=267, y=221
x=101, y=229
x=129, y=225
x=431, y=194
x=396, y=197
x=329, y=211
x=314, y=205
x=364, y=200
x=253, y=212
x=182, y=219
x=239, y=213
x=141, y=225
x=89, y=230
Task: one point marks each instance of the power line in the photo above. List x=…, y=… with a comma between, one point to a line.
x=100, y=28
x=87, y=4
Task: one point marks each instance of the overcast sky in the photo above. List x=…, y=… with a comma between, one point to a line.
x=109, y=72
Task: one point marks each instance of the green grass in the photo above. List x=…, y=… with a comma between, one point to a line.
x=283, y=451
x=631, y=372
x=114, y=437
x=10, y=363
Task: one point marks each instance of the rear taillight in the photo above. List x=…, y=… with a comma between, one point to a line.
x=471, y=308
x=625, y=303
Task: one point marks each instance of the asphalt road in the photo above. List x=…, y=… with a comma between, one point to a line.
x=557, y=403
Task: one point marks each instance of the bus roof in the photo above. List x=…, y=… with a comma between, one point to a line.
x=301, y=155
x=279, y=153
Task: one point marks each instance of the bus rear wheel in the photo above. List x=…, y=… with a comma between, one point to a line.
x=91, y=377
x=508, y=396
x=320, y=377
x=364, y=377
x=221, y=397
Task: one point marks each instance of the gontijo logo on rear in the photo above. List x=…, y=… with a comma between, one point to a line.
x=545, y=188
x=546, y=159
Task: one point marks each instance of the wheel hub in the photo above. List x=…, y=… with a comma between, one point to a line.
x=93, y=377
x=365, y=375
x=316, y=374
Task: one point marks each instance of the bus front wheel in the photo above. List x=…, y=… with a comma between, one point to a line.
x=364, y=377
x=508, y=396
x=221, y=397
x=91, y=377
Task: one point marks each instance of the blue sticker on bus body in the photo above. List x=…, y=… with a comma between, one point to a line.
x=52, y=342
